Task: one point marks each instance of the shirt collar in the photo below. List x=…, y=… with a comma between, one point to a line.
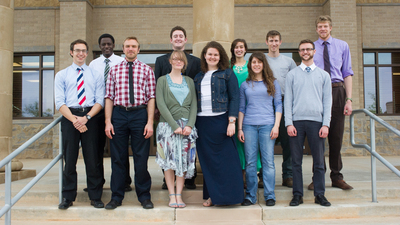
x=303, y=67
x=84, y=66
x=320, y=41
x=134, y=62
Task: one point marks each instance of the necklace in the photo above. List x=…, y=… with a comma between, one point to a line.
x=239, y=68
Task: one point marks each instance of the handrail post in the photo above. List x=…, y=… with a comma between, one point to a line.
x=8, y=192
x=60, y=171
x=373, y=159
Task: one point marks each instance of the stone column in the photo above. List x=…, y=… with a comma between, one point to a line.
x=344, y=27
x=213, y=21
x=6, y=75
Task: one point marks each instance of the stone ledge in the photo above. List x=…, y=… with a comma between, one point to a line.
x=18, y=175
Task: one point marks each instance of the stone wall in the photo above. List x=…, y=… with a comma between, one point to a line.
x=23, y=130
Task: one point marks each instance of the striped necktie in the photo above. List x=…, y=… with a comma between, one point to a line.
x=106, y=70
x=81, y=88
x=327, y=62
x=308, y=69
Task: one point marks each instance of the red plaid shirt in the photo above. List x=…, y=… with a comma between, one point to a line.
x=144, y=84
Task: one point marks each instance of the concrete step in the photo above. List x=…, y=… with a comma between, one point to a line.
x=362, y=190
x=340, y=209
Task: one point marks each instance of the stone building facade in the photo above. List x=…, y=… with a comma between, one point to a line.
x=368, y=26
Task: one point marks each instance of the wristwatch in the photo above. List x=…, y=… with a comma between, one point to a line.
x=232, y=120
x=88, y=117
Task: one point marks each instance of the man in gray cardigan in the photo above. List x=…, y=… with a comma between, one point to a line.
x=308, y=103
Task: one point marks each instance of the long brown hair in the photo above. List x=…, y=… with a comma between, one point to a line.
x=267, y=75
x=223, y=63
x=234, y=43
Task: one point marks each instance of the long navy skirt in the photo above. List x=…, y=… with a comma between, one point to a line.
x=219, y=160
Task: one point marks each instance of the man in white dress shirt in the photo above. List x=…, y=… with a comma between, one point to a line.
x=103, y=64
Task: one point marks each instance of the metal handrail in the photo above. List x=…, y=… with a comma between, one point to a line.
x=372, y=148
x=7, y=163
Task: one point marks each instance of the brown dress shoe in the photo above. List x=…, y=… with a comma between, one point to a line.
x=288, y=182
x=341, y=184
x=311, y=186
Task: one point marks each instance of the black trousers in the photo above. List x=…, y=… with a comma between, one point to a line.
x=100, y=117
x=70, y=144
x=129, y=124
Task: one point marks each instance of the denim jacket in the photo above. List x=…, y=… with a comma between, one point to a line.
x=224, y=91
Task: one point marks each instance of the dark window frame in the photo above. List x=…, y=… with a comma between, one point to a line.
x=40, y=69
x=376, y=65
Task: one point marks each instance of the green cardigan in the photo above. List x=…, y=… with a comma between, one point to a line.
x=169, y=107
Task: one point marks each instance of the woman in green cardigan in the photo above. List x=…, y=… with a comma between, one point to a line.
x=176, y=134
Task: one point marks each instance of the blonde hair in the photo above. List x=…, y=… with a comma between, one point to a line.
x=179, y=55
x=323, y=19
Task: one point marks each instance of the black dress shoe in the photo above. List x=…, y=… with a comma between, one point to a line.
x=296, y=200
x=65, y=204
x=320, y=199
x=85, y=190
x=270, y=202
x=246, y=202
x=112, y=204
x=97, y=203
x=128, y=188
x=147, y=204
x=190, y=186
x=164, y=186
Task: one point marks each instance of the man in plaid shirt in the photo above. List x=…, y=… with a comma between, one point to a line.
x=129, y=111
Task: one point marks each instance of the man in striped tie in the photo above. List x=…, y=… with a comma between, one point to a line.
x=79, y=96
x=103, y=64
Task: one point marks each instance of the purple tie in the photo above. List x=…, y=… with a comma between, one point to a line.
x=327, y=63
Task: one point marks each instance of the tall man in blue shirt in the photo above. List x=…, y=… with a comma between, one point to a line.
x=79, y=96
x=333, y=56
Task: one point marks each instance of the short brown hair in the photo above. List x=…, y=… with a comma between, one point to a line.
x=79, y=41
x=223, y=63
x=307, y=41
x=273, y=33
x=177, y=28
x=131, y=38
x=180, y=55
x=323, y=19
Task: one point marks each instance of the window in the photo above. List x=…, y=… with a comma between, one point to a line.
x=33, y=93
x=147, y=57
x=294, y=54
x=382, y=81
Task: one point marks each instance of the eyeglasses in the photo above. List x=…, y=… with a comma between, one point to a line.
x=176, y=60
x=306, y=49
x=80, y=51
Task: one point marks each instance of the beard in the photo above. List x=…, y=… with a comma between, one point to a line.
x=306, y=60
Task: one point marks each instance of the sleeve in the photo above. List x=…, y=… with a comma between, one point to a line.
x=193, y=104
x=346, y=67
x=100, y=89
x=327, y=101
x=289, y=100
x=158, y=69
x=162, y=106
x=233, y=93
x=59, y=90
x=242, y=103
x=110, y=85
x=151, y=84
x=277, y=97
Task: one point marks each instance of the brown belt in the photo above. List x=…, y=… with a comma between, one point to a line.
x=132, y=108
x=338, y=84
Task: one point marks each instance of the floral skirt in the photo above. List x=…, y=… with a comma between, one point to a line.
x=175, y=151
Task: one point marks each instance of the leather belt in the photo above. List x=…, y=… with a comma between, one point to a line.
x=338, y=84
x=133, y=108
x=81, y=109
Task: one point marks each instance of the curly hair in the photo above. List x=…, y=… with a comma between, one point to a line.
x=267, y=75
x=223, y=63
x=234, y=43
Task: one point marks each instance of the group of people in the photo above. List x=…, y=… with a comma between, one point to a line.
x=228, y=111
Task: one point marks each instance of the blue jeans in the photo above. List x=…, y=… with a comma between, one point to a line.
x=258, y=136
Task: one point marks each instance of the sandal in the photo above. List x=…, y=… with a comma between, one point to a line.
x=208, y=203
x=181, y=205
x=173, y=205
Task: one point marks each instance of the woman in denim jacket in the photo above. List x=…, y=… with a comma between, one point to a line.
x=218, y=107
